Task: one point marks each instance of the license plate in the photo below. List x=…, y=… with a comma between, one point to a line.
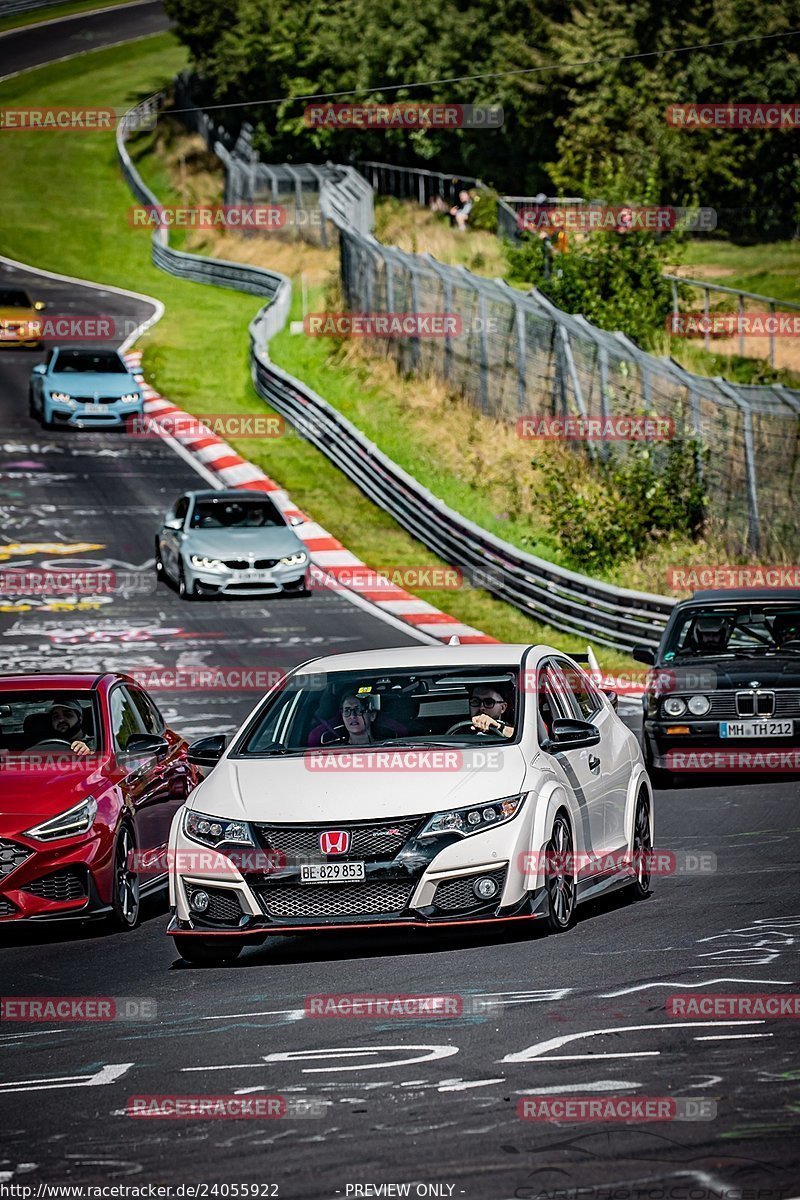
x=756, y=729
x=254, y=577
x=344, y=872
x=94, y=408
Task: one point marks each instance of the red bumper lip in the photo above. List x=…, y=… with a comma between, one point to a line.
x=399, y=923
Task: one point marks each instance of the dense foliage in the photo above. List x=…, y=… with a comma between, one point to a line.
x=560, y=125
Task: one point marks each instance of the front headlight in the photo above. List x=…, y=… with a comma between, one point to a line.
x=71, y=823
x=699, y=706
x=294, y=560
x=465, y=821
x=214, y=831
x=62, y=398
x=130, y=398
x=674, y=706
x=207, y=564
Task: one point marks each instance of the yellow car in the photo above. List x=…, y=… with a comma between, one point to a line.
x=20, y=324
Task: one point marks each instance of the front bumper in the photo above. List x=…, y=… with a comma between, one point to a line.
x=53, y=882
x=112, y=417
x=247, y=583
x=671, y=752
x=427, y=883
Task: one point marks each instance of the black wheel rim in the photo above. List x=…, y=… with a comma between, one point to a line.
x=561, y=882
x=642, y=845
x=127, y=880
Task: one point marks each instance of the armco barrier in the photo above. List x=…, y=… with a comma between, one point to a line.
x=568, y=601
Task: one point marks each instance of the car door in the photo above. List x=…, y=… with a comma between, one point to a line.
x=144, y=782
x=172, y=770
x=579, y=768
x=171, y=538
x=613, y=751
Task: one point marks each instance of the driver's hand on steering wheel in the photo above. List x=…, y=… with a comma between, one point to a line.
x=487, y=724
x=79, y=748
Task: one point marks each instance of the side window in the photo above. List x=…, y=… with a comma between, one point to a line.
x=124, y=718
x=182, y=508
x=580, y=691
x=51, y=355
x=149, y=715
x=550, y=703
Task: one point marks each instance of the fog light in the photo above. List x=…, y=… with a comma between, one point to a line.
x=485, y=888
x=199, y=901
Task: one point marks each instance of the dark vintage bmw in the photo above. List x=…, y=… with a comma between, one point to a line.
x=723, y=693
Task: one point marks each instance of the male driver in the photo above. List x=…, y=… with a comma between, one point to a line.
x=487, y=708
x=66, y=721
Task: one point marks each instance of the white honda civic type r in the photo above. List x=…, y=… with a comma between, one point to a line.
x=411, y=788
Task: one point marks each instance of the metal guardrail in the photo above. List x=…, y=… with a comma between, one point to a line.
x=573, y=603
x=704, y=286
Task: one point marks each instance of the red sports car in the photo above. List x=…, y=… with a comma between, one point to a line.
x=90, y=779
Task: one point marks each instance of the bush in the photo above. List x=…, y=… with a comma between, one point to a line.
x=621, y=509
x=484, y=211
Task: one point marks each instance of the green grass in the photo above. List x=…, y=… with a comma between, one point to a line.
x=772, y=269
x=17, y=20
x=198, y=354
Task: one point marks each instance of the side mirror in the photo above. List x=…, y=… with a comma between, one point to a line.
x=39, y=305
x=39, y=369
x=207, y=751
x=612, y=696
x=644, y=654
x=175, y=523
x=145, y=745
x=569, y=734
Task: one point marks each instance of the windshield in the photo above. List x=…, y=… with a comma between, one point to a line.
x=235, y=514
x=14, y=298
x=103, y=362
x=735, y=631
x=29, y=719
x=372, y=708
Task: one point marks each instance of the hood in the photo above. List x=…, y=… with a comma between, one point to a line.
x=20, y=314
x=293, y=790
x=711, y=675
x=90, y=383
x=28, y=797
x=276, y=542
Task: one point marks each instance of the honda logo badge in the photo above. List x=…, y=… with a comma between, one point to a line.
x=334, y=841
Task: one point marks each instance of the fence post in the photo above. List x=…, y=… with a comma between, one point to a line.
x=415, y=351
x=522, y=352
x=772, y=336
x=753, y=519
x=576, y=384
x=484, y=352
x=605, y=408
x=706, y=336
x=741, y=325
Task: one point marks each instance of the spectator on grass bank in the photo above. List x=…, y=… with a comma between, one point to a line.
x=459, y=213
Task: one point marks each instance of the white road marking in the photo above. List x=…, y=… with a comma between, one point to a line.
x=431, y=1054
x=730, y=1037
x=663, y=983
x=538, y=1051
x=597, y=1085
x=107, y=1074
x=462, y=1085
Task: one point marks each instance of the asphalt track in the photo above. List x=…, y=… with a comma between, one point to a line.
x=423, y=1101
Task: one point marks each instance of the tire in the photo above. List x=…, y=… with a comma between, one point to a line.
x=561, y=886
x=126, y=901
x=213, y=953
x=185, y=592
x=642, y=846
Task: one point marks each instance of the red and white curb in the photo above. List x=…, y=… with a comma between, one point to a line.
x=327, y=552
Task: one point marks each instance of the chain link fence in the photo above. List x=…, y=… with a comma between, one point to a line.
x=516, y=355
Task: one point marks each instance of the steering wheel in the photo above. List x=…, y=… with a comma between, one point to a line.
x=468, y=727
x=51, y=744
